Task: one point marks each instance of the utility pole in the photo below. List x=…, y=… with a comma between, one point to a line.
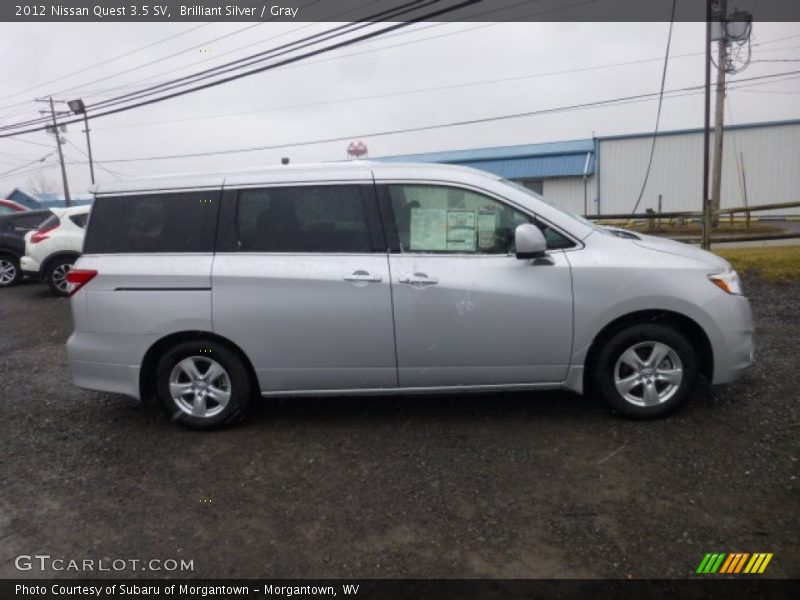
x=89, y=145
x=706, y=201
x=719, y=116
x=726, y=30
x=79, y=108
x=67, y=200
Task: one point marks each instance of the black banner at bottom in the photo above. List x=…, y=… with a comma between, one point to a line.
x=389, y=589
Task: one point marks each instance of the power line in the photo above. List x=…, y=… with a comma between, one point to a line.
x=38, y=160
x=558, y=109
x=394, y=12
x=458, y=32
x=128, y=53
x=104, y=62
x=397, y=93
x=404, y=33
x=114, y=174
x=658, y=111
x=289, y=60
x=127, y=97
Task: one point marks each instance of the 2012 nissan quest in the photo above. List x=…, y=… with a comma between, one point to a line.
x=370, y=278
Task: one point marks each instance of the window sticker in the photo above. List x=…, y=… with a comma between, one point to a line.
x=461, y=230
x=428, y=229
x=487, y=225
x=443, y=230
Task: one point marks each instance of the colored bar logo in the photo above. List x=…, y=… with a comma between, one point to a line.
x=734, y=562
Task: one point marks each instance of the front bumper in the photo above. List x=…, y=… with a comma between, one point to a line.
x=734, y=352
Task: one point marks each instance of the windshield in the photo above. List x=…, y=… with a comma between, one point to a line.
x=522, y=188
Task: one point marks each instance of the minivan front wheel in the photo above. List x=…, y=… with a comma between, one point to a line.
x=202, y=384
x=646, y=370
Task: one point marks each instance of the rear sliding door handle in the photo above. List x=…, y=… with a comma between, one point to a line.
x=420, y=279
x=362, y=275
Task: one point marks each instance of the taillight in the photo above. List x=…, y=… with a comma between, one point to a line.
x=41, y=235
x=77, y=278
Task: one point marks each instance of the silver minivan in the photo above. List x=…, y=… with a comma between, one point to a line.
x=368, y=278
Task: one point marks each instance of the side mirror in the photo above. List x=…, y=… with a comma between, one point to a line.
x=529, y=241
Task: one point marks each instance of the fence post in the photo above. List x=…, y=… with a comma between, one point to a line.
x=658, y=222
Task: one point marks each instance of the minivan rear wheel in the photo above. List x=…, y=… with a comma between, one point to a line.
x=202, y=384
x=646, y=370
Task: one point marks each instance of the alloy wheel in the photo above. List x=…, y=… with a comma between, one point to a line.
x=200, y=386
x=8, y=271
x=648, y=373
x=59, y=277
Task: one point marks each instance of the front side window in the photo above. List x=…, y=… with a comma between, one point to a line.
x=313, y=219
x=155, y=222
x=440, y=219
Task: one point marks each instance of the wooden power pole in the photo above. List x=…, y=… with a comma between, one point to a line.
x=719, y=122
x=67, y=200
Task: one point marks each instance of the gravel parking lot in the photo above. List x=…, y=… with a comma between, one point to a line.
x=507, y=485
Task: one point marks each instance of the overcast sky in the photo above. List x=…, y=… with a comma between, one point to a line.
x=325, y=96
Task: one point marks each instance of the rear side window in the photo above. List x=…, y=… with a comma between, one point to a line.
x=28, y=222
x=79, y=220
x=161, y=222
x=315, y=219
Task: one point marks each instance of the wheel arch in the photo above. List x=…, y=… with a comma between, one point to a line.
x=6, y=253
x=147, y=383
x=55, y=256
x=686, y=325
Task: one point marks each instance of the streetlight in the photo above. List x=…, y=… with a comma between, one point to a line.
x=79, y=108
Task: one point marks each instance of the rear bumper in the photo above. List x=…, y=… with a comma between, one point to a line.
x=29, y=266
x=103, y=363
x=105, y=377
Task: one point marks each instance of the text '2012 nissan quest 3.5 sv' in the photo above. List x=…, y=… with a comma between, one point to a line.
x=369, y=278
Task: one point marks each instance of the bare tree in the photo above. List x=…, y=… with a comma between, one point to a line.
x=39, y=184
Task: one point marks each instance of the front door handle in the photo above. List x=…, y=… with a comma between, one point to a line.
x=362, y=275
x=420, y=279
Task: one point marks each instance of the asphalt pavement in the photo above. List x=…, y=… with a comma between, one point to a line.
x=516, y=485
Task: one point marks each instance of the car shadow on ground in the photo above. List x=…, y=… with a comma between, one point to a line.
x=454, y=408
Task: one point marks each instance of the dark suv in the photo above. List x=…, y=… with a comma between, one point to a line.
x=13, y=228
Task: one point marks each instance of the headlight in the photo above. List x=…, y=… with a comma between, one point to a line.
x=728, y=282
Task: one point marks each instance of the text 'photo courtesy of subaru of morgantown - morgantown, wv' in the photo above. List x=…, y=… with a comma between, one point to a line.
x=208, y=291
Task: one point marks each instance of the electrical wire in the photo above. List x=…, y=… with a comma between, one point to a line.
x=566, y=108
x=38, y=160
x=658, y=111
x=288, y=60
x=103, y=62
x=115, y=174
x=128, y=53
x=395, y=12
x=486, y=12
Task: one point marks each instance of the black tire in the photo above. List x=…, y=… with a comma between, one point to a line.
x=660, y=392
x=203, y=354
x=10, y=272
x=54, y=272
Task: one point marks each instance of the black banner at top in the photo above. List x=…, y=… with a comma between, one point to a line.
x=382, y=10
